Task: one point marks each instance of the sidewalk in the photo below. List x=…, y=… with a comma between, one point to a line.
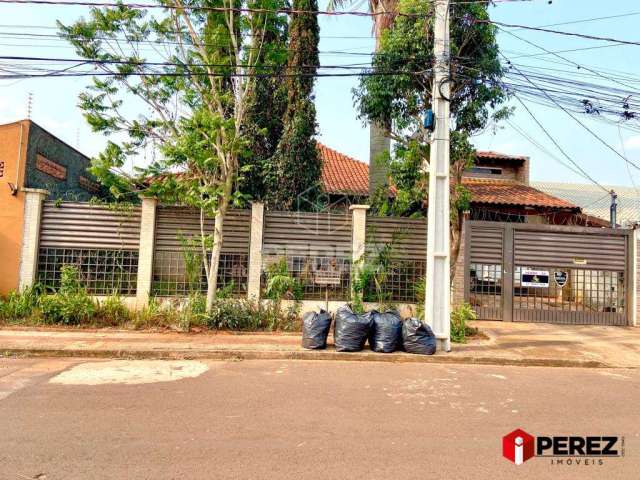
x=507, y=344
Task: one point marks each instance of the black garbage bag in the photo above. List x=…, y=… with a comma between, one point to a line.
x=418, y=337
x=351, y=330
x=386, y=332
x=315, y=329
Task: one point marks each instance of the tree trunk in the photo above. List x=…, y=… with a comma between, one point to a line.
x=212, y=284
x=454, y=244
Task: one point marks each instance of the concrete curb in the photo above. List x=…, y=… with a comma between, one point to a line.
x=233, y=354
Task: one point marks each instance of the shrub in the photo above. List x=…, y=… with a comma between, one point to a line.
x=70, y=305
x=113, y=311
x=244, y=315
x=152, y=315
x=280, y=284
x=20, y=305
x=236, y=314
x=459, y=318
x=192, y=313
x=68, y=309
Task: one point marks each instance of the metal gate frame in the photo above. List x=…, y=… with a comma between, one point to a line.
x=508, y=262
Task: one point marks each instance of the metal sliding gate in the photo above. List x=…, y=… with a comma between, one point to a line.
x=548, y=273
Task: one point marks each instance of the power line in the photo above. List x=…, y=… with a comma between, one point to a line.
x=592, y=19
x=625, y=154
x=547, y=30
x=143, y=6
x=586, y=127
x=565, y=154
x=542, y=148
x=561, y=57
x=196, y=74
x=167, y=64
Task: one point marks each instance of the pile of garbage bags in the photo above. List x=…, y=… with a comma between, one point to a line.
x=386, y=332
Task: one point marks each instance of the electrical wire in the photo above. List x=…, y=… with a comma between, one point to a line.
x=596, y=136
x=560, y=149
x=145, y=6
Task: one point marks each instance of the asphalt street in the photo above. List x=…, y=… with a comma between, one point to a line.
x=95, y=419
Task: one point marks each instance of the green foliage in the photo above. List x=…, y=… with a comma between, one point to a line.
x=70, y=305
x=244, y=315
x=112, y=311
x=459, y=318
x=370, y=273
x=189, y=110
x=265, y=113
x=20, y=305
x=477, y=97
x=236, y=314
x=280, y=284
x=155, y=315
x=193, y=261
x=295, y=167
x=69, y=309
x=192, y=313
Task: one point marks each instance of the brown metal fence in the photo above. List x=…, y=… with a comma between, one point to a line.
x=547, y=273
x=101, y=241
x=315, y=246
x=178, y=268
x=401, y=243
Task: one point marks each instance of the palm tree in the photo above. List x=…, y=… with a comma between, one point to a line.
x=379, y=143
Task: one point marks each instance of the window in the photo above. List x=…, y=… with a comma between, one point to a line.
x=486, y=170
x=1, y=169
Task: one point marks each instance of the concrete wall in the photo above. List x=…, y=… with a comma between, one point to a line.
x=517, y=170
x=55, y=150
x=12, y=155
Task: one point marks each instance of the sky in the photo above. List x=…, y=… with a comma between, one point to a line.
x=54, y=104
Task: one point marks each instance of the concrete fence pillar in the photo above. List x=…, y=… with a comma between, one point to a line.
x=33, y=200
x=255, y=251
x=358, y=232
x=146, y=249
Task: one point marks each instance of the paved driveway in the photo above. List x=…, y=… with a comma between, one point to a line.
x=605, y=345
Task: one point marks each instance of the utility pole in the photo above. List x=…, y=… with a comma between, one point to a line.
x=438, y=295
x=613, y=209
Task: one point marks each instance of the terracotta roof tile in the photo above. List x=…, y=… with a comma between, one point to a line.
x=499, y=156
x=510, y=192
x=343, y=174
x=346, y=175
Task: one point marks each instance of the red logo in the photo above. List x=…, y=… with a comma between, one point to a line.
x=518, y=446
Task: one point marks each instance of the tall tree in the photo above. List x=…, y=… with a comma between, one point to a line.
x=295, y=168
x=402, y=100
x=265, y=112
x=187, y=103
x=379, y=143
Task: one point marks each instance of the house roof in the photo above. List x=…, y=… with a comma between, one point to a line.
x=511, y=193
x=594, y=201
x=499, y=156
x=342, y=174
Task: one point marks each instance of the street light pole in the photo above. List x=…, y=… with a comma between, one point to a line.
x=438, y=296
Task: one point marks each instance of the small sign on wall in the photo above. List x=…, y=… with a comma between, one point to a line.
x=560, y=278
x=535, y=278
